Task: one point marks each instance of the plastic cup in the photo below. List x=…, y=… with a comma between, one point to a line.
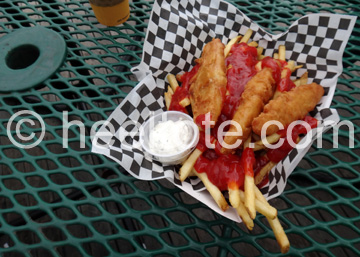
x=111, y=12
x=174, y=158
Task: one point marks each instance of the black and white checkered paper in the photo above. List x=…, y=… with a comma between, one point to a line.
x=176, y=35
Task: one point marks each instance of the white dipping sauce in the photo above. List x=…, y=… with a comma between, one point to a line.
x=170, y=137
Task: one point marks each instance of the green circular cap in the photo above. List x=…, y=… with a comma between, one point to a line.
x=28, y=57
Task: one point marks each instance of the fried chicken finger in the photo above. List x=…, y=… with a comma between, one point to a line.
x=208, y=88
x=288, y=107
x=258, y=91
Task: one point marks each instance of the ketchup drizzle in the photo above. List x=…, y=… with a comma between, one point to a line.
x=221, y=170
x=276, y=155
x=286, y=83
x=271, y=63
x=183, y=91
x=242, y=61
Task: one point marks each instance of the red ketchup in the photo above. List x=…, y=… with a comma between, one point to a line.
x=183, y=91
x=286, y=83
x=276, y=155
x=223, y=171
x=283, y=84
x=179, y=94
x=202, y=141
x=242, y=59
x=261, y=161
x=271, y=63
x=226, y=171
x=248, y=161
x=201, y=119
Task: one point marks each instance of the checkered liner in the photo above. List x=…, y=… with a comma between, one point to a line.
x=177, y=33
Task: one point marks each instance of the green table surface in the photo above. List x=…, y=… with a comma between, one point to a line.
x=57, y=201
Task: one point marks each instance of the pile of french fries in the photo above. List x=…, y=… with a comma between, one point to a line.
x=249, y=201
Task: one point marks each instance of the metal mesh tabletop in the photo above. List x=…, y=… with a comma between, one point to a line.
x=67, y=201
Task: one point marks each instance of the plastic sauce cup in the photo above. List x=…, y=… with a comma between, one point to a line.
x=111, y=12
x=172, y=158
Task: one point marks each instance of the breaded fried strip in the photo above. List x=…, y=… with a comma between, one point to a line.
x=208, y=88
x=258, y=91
x=288, y=107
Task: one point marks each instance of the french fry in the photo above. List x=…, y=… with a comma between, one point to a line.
x=249, y=188
x=244, y=215
x=289, y=68
x=253, y=44
x=247, y=36
x=213, y=190
x=280, y=235
x=259, y=145
x=192, y=174
x=247, y=142
x=234, y=195
x=173, y=82
x=298, y=67
x=250, y=195
x=263, y=172
x=297, y=82
x=170, y=90
x=258, y=66
x=268, y=212
x=261, y=57
x=275, y=225
x=262, y=208
x=259, y=51
x=282, y=51
x=185, y=102
x=168, y=96
x=302, y=80
x=189, y=164
x=230, y=44
x=259, y=196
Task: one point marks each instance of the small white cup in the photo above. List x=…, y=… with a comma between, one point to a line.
x=177, y=157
